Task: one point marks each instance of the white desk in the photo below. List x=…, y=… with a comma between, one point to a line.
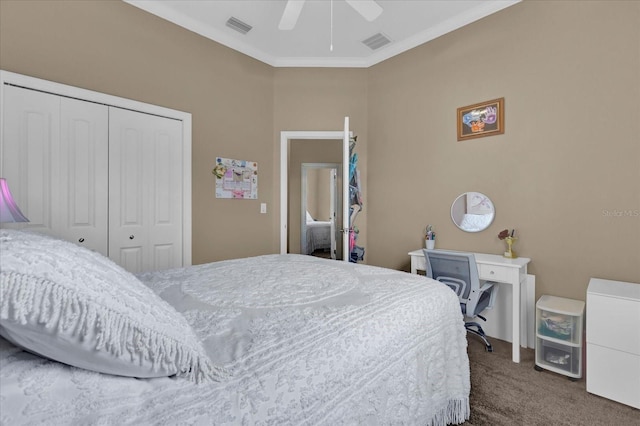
x=498, y=268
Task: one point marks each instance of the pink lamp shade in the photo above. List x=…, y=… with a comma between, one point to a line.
x=9, y=211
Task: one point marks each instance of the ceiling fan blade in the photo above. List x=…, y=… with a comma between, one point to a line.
x=369, y=9
x=290, y=15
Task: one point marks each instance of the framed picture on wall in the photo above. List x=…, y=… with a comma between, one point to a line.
x=483, y=119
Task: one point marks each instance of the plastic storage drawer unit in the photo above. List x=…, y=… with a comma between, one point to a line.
x=559, y=324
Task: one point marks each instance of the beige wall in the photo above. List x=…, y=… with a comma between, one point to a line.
x=319, y=99
x=570, y=76
x=313, y=202
x=323, y=194
x=319, y=192
x=565, y=173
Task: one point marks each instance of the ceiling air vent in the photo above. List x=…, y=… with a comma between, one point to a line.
x=238, y=25
x=376, y=41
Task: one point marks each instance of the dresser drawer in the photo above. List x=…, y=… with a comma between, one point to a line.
x=492, y=273
x=613, y=323
x=613, y=374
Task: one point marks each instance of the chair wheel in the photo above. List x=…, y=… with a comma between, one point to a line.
x=537, y=368
x=488, y=348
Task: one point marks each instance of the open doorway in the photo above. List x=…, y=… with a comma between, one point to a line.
x=319, y=207
x=303, y=153
x=287, y=139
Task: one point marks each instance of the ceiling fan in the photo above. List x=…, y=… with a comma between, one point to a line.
x=369, y=10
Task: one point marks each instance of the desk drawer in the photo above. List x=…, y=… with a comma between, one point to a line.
x=420, y=262
x=492, y=273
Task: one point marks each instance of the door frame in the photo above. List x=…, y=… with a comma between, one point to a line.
x=285, y=139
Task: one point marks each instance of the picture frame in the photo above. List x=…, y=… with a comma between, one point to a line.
x=481, y=119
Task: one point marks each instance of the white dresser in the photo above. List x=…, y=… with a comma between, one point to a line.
x=613, y=340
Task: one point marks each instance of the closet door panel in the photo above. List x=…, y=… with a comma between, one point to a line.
x=127, y=234
x=127, y=170
x=131, y=258
x=31, y=137
x=166, y=180
x=145, y=209
x=82, y=213
x=164, y=256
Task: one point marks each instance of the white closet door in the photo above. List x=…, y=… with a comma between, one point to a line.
x=55, y=160
x=81, y=216
x=145, y=190
x=31, y=137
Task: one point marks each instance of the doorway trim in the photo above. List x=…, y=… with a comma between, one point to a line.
x=285, y=138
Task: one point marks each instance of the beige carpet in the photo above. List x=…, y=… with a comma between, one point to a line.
x=506, y=393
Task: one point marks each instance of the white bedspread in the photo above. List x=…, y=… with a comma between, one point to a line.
x=346, y=344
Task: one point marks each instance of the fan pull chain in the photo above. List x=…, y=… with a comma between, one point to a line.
x=331, y=36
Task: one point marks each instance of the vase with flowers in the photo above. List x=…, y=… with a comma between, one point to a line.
x=509, y=238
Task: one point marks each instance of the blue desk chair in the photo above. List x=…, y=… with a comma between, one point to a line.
x=460, y=272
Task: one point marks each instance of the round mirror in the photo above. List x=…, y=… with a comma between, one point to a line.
x=472, y=212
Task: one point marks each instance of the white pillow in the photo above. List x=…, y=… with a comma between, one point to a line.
x=309, y=217
x=76, y=306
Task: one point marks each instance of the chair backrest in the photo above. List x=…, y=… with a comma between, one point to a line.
x=460, y=272
x=451, y=266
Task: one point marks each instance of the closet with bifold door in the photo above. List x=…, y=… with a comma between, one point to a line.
x=108, y=178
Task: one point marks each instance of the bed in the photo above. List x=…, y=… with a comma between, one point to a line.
x=269, y=340
x=318, y=235
x=476, y=222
